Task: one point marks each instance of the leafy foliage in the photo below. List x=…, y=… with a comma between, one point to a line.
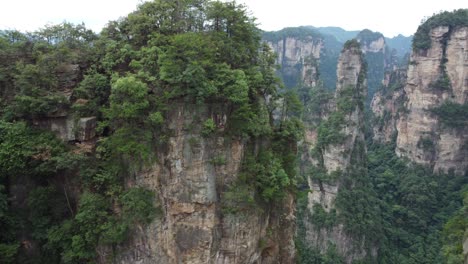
x=329, y=131
x=301, y=33
x=269, y=176
x=456, y=18
x=37, y=68
x=137, y=205
x=425, y=143
x=39, y=156
x=314, y=101
x=323, y=219
x=95, y=90
x=412, y=215
x=27, y=152
x=367, y=36
x=129, y=77
x=454, y=234
x=353, y=43
x=8, y=252
x=415, y=204
x=8, y=245
x=442, y=83
x=128, y=100
x=209, y=127
x=451, y=114
x=127, y=114
x=309, y=255
x=186, y=65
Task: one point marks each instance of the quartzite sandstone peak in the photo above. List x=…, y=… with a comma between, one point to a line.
x=338, y=158
x=421, y=135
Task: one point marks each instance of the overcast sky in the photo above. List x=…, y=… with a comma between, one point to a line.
x=388, y=17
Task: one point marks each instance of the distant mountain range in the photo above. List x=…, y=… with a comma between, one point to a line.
x=340, y=34
x=380, y=57
x=400, y=43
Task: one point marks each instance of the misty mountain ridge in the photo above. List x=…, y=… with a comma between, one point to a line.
x=325, y=44
x=401, y=43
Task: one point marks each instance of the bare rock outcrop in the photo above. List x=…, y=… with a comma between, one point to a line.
x=195, y=225
x=69, y=128
x=298, y=57
x=436, y=76
x=334, y=148
x=387, y=105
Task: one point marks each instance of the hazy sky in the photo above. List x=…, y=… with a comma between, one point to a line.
x=389, y=17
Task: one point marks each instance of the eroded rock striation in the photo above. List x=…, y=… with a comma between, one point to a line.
x=196, y=225
x=437, y=78
x=298, y=54
x=335, y=152
x=387, y=105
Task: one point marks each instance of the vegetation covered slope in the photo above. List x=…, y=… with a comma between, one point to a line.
x=375, y=58
x=417, y=213
x=74, y=201
x=457, y=18
x=420, y=205
x=62, y=202
x=395, y=52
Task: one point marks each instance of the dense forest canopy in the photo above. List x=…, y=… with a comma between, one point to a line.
x=301, y=33
x=128, y=77
x=457, y=18
x=64, y=197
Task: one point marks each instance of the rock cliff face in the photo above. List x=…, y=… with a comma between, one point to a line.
x=195, y=225
x=298, y=58
x=387, y=105
x=69, y=128
x=191, y=178
x=436, y=76
x=377, y=57
x=374, y=45
x=350, y=69
x=205, y=215
x=328, y=162
x=62, y=122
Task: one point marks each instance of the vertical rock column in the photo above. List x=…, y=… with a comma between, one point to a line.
x=191, y=179
x=336, y=153
x=436, y=76
x=298, y=59
x=387, y=106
